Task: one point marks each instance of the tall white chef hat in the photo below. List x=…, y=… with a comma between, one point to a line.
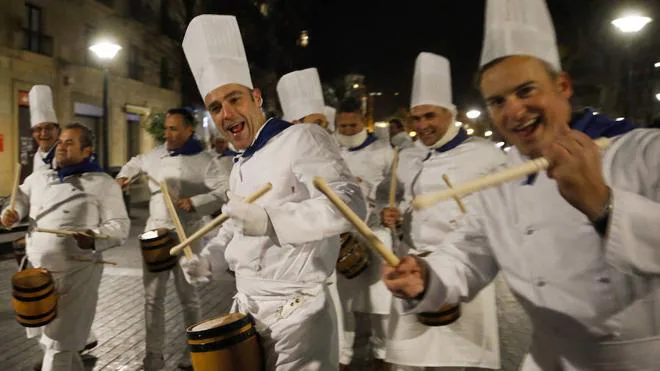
x=300, y=94
x=519, y=27
x=432, y=82
x=214, y=49
x=41, y=105
x=330, y=113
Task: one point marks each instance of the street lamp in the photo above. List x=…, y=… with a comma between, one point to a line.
x=106, y=51
x=630, y=24
x=473, y=114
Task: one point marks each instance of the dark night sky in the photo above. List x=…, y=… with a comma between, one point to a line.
x=382, y=39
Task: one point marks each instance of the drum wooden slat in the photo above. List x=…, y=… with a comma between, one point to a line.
x=156, y=250
x=447, y=314
x=353, y=257
x=34, y=297
x=225, y=343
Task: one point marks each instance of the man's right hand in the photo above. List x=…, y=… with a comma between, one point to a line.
x=9, y=218
x=123, y=182
x=197, y=269
x=408, y=279
x=391, y=217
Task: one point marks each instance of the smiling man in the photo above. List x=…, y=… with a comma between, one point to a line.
x=283, y=247
x=44, y=126
x=77, y=196
x=577, y=244
x=472, y=341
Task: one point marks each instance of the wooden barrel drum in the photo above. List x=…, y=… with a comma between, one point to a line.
x=225, y=343
x=353, y=256
x=156, y=245
x=446, y=315
x=34, y=297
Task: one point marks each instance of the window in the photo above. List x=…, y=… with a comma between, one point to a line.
x=35, y=41
x=134, y=68
x=165, y=77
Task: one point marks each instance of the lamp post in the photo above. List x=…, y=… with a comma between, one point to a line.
x=630, y=24
x=106, y=51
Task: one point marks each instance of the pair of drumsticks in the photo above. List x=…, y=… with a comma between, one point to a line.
x=487, y=181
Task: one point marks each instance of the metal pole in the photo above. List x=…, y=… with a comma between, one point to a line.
x=629, y=82
x=106, y=131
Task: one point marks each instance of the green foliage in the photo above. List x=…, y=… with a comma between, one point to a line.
x=155, y=126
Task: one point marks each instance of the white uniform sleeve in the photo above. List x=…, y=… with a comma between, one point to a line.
x=217, y=181
x=114, y=221
x=214, y=250
x=317, y=218
x=133, y=167
x=460, y=268
x=22, y=203
x=632, y=242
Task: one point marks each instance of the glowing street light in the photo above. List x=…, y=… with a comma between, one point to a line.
x=106, y=50
x=631, y=23
x=473, y=114
x=488, y=133
x=413, y=134
x=458, y=124
x=657, y=96
x=470, y=131
x=499, y=144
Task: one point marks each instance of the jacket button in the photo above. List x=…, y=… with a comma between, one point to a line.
x=540, y=283
x=529, y=231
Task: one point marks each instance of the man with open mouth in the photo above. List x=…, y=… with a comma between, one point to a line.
x=283, y=247
x=577, y=244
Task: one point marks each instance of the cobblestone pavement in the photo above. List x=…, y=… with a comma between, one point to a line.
x=119, y=322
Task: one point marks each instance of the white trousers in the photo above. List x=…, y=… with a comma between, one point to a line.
x=155, y=291
x=377, y=336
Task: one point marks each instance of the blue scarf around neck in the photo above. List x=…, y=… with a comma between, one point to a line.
x=88, y=165
x=371, y=138
x=270, y=129
x=191, y=147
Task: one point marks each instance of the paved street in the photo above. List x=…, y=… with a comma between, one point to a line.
x=119, y=322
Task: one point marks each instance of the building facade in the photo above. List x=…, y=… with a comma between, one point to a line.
x=47, y=42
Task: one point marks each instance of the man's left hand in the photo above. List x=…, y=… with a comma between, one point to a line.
x=575, y=163
x=185, y=204
x=85, y=239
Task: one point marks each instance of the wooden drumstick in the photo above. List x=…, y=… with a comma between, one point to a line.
x=491, y=180
x=67, y=232
x=93, y=260
x=456, y=198
x=175, y=218
x=14, y=188
x=218, y=221
x=394, y=179
x=360, y=225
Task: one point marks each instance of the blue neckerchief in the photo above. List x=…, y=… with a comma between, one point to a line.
x=595, y=126
x=271, y=128
x=191, y=147
x=370, y=139
x=461, y=137
x=87, y=165
x=229, y=152
x=48, y=160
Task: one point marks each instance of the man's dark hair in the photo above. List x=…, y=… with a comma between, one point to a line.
x=188, y=117
x=396, y=122
x=350, y=105
x=551, y=70
x=86, y=135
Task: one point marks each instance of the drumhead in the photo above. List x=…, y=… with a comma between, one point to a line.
x=218, y=321
x=154, y=233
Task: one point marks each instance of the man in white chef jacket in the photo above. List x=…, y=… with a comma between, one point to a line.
x=282, y=247
x=197, y=186
x=472, y=341
x=45, y=128
x=301, y=97
x=79, y=197
x=370, y=160
x=578, y=243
